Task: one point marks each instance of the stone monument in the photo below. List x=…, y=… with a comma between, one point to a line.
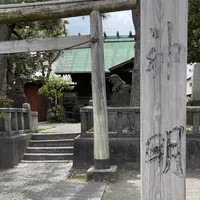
x=195, y=101
x=18, y=95
x=196, y=83
x=120, y=92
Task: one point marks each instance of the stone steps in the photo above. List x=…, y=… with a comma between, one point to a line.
x=54, y=136
x=50, y=147
x=52, y=143
x=48, y=156
x=46, y=161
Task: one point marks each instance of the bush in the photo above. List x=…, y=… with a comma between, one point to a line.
x=5, y=102
x=53, y=90
x=56, y=114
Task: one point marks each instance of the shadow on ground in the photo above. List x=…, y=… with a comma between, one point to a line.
x=129, y=183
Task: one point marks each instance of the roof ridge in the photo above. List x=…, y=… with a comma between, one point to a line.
x=118, y=37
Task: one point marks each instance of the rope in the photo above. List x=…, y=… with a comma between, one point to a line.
x=91, y=40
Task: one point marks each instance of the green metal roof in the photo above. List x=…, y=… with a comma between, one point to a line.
x=116, y=50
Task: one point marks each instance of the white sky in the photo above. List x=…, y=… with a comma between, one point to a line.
x=116, y=21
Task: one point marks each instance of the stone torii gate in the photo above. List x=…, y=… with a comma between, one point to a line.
x=163, y=81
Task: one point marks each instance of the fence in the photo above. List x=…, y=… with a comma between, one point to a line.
x=121, y=118
x=14, y=121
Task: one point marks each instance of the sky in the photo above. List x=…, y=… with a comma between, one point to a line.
x=116, y=21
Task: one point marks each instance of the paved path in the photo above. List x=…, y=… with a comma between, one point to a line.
x=128, y=186
x=45, y=181
x=61, y=127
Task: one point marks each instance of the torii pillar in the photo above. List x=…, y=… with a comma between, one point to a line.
x=101, y=168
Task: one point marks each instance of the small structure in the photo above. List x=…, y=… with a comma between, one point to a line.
x=37, y=102
x=118, y=55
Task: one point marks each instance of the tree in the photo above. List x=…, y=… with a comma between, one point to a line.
x=26, y=64
x=5, y=34
x=194, y=31
x=53, y=90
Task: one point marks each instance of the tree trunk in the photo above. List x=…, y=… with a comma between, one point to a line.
x=9, y=77
x=135, y=89
x=5, y=33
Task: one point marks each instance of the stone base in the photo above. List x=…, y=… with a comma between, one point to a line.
x=193, y=103
x=102, y=175
x=12, y=150
x=125, y=152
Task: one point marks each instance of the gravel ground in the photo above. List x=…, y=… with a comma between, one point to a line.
x=45, y=181
x=128, y=186
x=31, y=180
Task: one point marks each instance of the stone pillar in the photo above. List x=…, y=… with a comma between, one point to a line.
x=29, y=117
x=101, y=141
x=196, y=83
x=34, y=119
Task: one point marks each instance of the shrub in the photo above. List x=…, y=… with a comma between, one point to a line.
x=53, y=90
x=5, y=102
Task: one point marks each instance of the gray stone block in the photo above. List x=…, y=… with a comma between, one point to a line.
x=125, y=152
x=196, y=83
x=12, y=150
x=102, y=175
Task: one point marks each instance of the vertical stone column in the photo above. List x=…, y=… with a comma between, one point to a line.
x=196, y=83
x=29, y=120
x=101, y=141
x=7, y=123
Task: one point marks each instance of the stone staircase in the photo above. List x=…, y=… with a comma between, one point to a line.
x=50, y=147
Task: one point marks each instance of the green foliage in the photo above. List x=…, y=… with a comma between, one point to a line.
x=194, y=31
x=27, y=64
x=56, y=114
x=5, y=102
x=53, y=90
x=54, y=87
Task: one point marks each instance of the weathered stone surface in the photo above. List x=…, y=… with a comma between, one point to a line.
x=101, y=175
x=125, y=152
x=12, y=150
x=196, y=83
x=120, y=92
x=18, y=95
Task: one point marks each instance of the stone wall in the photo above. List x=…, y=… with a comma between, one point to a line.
x=12, y=150
x=125, y=151
x=15, y=128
